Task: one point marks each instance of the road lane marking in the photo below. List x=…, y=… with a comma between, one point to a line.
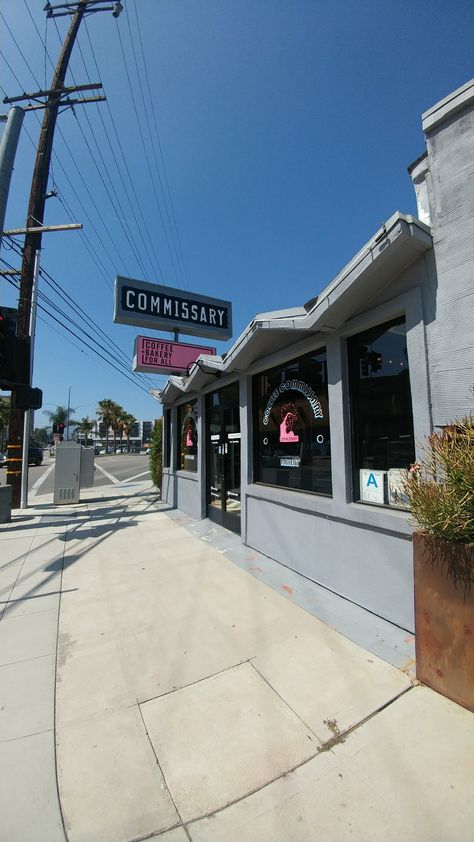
x=109, y=476
x=39, y=482
x=137, y=476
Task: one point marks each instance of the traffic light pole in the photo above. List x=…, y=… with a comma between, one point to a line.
x=29, y=414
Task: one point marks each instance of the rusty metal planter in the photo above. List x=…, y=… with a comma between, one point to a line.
x=444, y=617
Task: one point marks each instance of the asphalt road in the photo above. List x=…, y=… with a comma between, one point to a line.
x=117, y=468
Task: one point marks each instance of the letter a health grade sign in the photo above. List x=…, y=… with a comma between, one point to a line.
x=165, y=308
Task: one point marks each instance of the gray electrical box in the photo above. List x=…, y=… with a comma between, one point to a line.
x=87, y=467
x=67, y=473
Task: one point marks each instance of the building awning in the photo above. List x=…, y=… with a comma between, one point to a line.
x=397, y=244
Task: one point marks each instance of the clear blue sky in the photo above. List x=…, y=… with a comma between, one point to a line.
x=286, y=127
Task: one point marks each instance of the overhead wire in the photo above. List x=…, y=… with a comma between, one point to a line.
x=78, y=310
x=175, y=255
x=140, y=131
x=160, y=147
x=106, y=359
x=115, y=160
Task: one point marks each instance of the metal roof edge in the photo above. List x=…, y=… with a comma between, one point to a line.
x=448, y=106
x=400, y=231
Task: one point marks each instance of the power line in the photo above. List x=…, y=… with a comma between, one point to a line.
x=145, y=111
x=106, y=359
x=153, y=113
x=124, y=160
x=143, y=144
x=114, y=159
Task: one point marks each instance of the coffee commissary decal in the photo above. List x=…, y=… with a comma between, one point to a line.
x=164, y=308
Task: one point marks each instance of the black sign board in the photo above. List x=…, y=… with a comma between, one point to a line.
x=165, y=308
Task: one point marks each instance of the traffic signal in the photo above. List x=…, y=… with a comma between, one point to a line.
x=61, y=431
x=55, y=428
x=364, y=362
x=375, y=359
x=27, y=398
x=14, y=352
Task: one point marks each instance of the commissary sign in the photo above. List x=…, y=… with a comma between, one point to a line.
x=165, y=308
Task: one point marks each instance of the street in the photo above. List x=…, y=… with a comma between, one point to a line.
x=116, y=468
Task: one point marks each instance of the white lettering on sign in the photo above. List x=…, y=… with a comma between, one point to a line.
x=160, y=307
x=296, y=386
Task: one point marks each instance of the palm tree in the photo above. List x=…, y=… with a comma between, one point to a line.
x=107, y=411
x=85, y=426
x=62, y=416
x=128, y=421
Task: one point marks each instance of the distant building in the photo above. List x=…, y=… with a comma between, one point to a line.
x=297, y=438
x=139, y=436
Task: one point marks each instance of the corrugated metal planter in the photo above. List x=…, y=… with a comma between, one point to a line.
x=444, y=617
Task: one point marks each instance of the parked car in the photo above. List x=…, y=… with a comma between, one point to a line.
x=35, y=454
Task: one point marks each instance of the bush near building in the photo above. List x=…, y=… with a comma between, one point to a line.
x=156, y=453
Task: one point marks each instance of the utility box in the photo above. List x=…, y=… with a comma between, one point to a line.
x=87, y=467
x=5, y=503
x=67, y=473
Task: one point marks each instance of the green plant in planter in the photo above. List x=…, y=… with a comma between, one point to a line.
x=440, y=488
x=440, y=492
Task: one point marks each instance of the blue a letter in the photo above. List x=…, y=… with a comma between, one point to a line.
x=372, y=481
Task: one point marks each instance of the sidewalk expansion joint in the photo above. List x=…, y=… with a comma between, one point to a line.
x=161, y=770
x=311, y=730
x=56, y=775
x=340, y=738
x=192, y=683
x=25, y=736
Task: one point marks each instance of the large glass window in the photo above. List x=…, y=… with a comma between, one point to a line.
x=292, y=444
x=381, y=412
x=187, y=424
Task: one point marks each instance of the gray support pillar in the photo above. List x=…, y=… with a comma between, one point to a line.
x=8, y=147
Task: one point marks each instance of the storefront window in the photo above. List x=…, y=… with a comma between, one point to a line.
x=187, y=424
x=381, y=411
x=292, y=447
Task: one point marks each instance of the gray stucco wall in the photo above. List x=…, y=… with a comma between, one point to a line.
x=450, y=146
x=370, y=567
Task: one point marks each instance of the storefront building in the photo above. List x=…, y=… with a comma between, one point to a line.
x=297, y=438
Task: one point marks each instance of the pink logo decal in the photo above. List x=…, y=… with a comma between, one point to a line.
x=289, y=423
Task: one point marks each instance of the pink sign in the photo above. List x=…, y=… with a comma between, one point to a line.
x=157, y=356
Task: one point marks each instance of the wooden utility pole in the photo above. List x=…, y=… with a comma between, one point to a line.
x=56, y=96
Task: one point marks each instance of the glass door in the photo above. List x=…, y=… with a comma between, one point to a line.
x=223, y=462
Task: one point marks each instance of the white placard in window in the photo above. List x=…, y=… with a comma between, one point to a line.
x=290, y=462
x=372, y=486
x=396, y=494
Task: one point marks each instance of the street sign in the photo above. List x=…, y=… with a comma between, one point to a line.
x=165, y=308
x=157, y=356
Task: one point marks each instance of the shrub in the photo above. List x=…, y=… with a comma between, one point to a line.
x=156, y=454
x=440, y=488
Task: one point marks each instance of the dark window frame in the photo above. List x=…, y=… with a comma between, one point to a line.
x=366, y=366
x=303, y=477
x=184, y=451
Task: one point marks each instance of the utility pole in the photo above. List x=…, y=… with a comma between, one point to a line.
x=55, y=98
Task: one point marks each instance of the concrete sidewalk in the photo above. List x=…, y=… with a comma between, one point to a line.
x=165, y=692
